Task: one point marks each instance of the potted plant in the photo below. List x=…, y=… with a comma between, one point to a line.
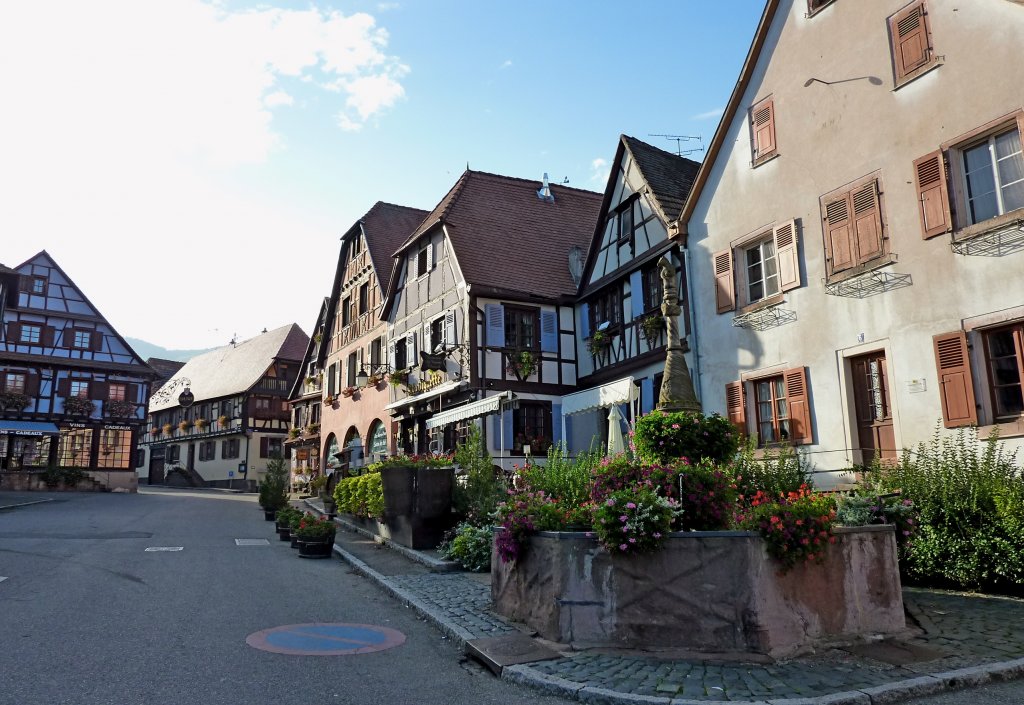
x=313, y=429
x=155, y=431
x=223, y=421
x=598, y=342
x=398, y=377
x=329, y=400
x=293, y=433
x=121, y=408
x=184, y=425
x=316, y=537
x=283, y=519
x=79, y=406
x=274, y=488
x=167, y=428
x=522, y=364
x=418, y=491
x=349, y=391
x=651, y=326
x=200, y=424
x=15, y=401
x=375, y=379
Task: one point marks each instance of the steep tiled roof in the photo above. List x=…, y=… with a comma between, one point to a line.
x=505, y=237
x=669, y=175
x=387, y=226
x=234, y=369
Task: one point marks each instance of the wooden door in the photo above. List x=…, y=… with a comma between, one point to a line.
x=156, y=465
x=874, y=429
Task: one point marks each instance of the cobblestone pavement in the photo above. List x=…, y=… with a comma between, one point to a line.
x=967, y=631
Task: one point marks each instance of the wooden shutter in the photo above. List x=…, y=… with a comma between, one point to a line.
x=25, y=283
x=450, y=332
x=908, y=30
x=391, y=355
x=48, y=336
x=762, y=126
x=585, y=321
x=867, y=222
x=31, y=384
x=548, y=331
x=428, y=340
x=839, y=228
x=96, y=340
x=932, y=194
x=724, y=290
x=265, y=447
x=14, y=332
x=786, y=249
x=64, y=387
x=956, y=384
x=430, y=255
x=798, y=399
x=98, y=390
x=495, y=331
x=735, y=406
x=131, y=393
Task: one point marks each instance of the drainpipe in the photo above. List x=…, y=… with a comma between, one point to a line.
x=693, y=325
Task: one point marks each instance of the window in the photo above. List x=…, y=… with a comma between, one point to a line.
x=82, y=339
x=140, y=458
x=423, y=259
x=74, y=447
x=379, y=439
x=520, y=328
x=813, y=6
x=762, y=271
x=852, y=223
x=115, y=449
x=606, y=308
x=376, y=346
x=79, y=388
x=1004, y=352
x=208, y=450
x=436, y=334
x=261, y=406
x=38, y=285
x=399, y=354
x=653, y=293
x=364, y=298
x=346, y=311
x=350, y=371
x=31, y=334
x=993, y=173
x=117, y=392
x=770, y=266
x=762, y=131
x=912, y=52
x=229, y=448
x=270, y=447
x=173, y=454
x=15, y=382
x=355, y=247
x=781, y=407
x=531, y=425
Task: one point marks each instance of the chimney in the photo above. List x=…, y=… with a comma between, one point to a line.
x=544, y=193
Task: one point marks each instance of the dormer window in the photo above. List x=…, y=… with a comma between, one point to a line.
x=423, y=263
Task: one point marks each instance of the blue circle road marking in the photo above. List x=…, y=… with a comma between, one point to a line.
x=325, y=639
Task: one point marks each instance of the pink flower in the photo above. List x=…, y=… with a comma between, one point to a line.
x=675, y=426
x=632, y=540
x=623, y=518
x=630, y=505
x=657, y=534
x=610, y=503
x=623, y=546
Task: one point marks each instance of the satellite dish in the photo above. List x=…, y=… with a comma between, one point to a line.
x=576, y=264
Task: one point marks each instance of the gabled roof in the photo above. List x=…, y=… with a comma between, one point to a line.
x=165, y=368
x=749, y=64
x=668, y=175
x=313, y=347
x=506, y=238
x=235, y=369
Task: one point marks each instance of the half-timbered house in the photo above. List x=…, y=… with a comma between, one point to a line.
x=235, y=417
x=480, y=315
x=305, y=403
x=72, y=391
x=622, y=340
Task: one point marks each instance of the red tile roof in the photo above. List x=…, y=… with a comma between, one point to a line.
x=387, y=226
x=507, y=238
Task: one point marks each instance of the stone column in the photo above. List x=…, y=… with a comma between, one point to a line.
x=677, y=392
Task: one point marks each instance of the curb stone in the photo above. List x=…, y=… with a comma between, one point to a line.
x=850, y=697
x=901, y=690
x=24, y=504
x=524, y=675
x=603, y=696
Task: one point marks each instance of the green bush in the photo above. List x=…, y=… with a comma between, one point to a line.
x=628, y=522
x=778, y=471
x=55, y=475
x=479, y=489
x=665, y=437
x=970, y=497
x=362, y=495
x=470, y=546
x=274, y=487
x=562, y=477
x=796, y=527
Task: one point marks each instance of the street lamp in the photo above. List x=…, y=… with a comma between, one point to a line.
x=362, y=379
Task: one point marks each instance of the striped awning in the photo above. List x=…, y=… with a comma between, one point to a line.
x=483, y=407
x=620, y=391
x=28, y=428
x=429, y=394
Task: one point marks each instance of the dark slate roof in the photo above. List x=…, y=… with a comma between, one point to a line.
x=165, y=368
x=7, y=270
x=669, y=175
x=387, y=226
x=507, y=238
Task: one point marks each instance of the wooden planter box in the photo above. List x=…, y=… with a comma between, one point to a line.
x=715, y=592
x=418, y=504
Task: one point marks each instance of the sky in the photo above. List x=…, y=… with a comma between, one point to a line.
x=192, y=164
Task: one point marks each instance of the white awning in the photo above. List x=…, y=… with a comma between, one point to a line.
x=429, y=394
x=620, y=391
x=483, y=407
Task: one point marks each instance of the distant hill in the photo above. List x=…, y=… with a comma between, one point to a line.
x=147, y=350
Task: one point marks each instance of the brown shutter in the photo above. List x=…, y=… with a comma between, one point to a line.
x=48, y=336
x=265, y=447
x=32, y=384
x=735, y=406
x=867, y=222
x=724, y=291
x=786, y=254
x=956, y=385
x=13, y=332
x=131, y=393
x=64, y=386
x=799, y=402
x=932, y=194
x=839, y=228
x=762, y=121
x=908, y=30
x=25, y=283
x=95, y=340
x=98, y=390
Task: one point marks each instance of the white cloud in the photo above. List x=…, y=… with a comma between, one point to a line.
x=387, y=6
x=599, y=170
x=717, y=112
x=278, y=98
x=505, y=64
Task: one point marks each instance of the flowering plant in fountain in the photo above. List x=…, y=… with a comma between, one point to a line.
x=525, y=512
x=629, y=522
x=796, y=527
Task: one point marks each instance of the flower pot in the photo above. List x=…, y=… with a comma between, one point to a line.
x=418, y=504
x=270, y=514
x=316, y=548
x=284, y=533
x=294, y=540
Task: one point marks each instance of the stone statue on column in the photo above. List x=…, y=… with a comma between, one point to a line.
x=677, y=392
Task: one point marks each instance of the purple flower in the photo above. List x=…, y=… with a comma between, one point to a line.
x=623, y=546
x=632, y=540
x=657, y=534
x=623, y=518
x=630, y=505
x=610, y=503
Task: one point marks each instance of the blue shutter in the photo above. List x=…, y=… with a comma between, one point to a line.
x=507, y=420
x=646, y=395
x=556, y=423
x=495, y=314
x=568, y=433
x=585, y=321
x=548, y=331
x=636, y=293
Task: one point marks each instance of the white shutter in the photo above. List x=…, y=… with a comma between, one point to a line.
x=430, y=255
x=410, y=350
x=450, y=337
x=428, y=343
x=391, y=355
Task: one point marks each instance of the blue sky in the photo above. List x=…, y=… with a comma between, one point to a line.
x=192, y=164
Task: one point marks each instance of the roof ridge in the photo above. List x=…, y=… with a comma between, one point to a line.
x=505, y=177
x=630, y=138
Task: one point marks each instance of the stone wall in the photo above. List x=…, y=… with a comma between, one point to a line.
x=706, y=592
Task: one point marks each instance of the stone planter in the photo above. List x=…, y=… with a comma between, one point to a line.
x=319, y=548
x=418, y=504
x=705, y=592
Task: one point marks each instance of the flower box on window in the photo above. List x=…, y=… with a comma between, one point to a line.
x=121, y=408
x=79, y=406
x=13, y=401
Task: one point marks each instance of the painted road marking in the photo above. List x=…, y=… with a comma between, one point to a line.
x=325, y=639
x=2, y=578
x=251, y=542
x=164, y=548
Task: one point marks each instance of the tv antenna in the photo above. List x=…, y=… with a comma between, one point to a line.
x=679, y=139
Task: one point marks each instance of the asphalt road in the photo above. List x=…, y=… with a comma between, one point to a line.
x=88, y=617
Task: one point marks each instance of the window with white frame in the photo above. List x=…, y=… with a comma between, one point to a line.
x=31, y=334
x=993, y=175
x=15, y=382
x=82, y=339
x=79, y=389
x=772, y=411
x=762, y=270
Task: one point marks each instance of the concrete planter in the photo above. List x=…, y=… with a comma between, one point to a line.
x=418, y=504
x=715, y=592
